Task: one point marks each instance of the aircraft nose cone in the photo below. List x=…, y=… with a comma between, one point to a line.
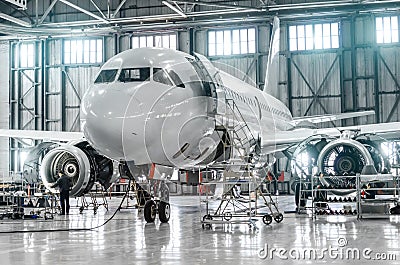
x=103, y=112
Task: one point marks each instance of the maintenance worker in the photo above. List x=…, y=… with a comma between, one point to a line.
x=272, y=179
x=64, y=184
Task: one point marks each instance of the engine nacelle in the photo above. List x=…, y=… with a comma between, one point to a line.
x=81, y=163
x=343, y=156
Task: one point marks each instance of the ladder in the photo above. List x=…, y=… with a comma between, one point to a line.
x=241, y=140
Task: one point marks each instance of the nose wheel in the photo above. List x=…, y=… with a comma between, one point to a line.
x=154, y=207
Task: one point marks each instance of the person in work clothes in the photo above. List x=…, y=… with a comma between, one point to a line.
x=64, y=184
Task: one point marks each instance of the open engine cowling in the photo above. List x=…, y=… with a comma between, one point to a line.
x=343, y=156
x=347, y=157
x=81, y=163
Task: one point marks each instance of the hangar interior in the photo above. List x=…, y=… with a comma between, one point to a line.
x=338, y=56
x=45, y=81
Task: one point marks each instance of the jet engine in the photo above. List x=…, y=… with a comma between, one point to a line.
x=339, y=157
x=81, y=163
x=343, y=157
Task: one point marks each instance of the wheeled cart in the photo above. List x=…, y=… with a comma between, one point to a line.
x=234, y=208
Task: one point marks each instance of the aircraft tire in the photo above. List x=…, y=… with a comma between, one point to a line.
x=150, y=211
x=164, y=211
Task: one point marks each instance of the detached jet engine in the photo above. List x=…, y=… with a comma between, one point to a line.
x=79, y=161
x=346, y=155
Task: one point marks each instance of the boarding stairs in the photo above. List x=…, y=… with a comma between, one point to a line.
x=234, y=132
x=241, y=150
x=241, y=143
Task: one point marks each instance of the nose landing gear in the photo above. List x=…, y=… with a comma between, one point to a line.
x=154, y=207
x=158, y=205
x=154, y=198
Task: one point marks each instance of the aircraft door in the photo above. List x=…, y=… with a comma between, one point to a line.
x=259, y=108
x=212, y=81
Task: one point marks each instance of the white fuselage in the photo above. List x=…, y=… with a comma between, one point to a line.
x=148, y=105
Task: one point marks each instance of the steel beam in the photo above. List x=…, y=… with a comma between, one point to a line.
x=354, y=86
x=98, y=9
x=21, y=4
x=289, y=80
x=84, y=11
x=63, y=110
x=12, y=106
x=47, y=12
x=258, y=60
x=376, y=86
x=246, y=76
x=192, y=41
x=43, y=71
x=218, y=4
x=72, y=84
x=310, y=87
x=315, y=97
x=392, y=75
x=175, y=8
x=342, y=96
x=15, y=20
x=118, y=8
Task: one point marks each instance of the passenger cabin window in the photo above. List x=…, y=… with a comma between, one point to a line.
x=160, y=76
x=134, y=74
x=106, y=76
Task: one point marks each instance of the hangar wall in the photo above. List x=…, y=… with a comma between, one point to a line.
x=358, y=76
x=4, y=71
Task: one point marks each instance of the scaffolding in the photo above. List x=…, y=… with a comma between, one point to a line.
x=241, y=151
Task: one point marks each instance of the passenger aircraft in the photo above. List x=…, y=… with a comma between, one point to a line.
x=153, y=109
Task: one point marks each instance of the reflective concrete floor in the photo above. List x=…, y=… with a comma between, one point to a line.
x=127, y=239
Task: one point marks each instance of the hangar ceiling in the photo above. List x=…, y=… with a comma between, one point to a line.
x=28, y=18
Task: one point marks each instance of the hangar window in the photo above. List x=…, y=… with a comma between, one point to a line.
x=314, y=36
x=162, y=41
x=27, y=55
x=228, y=42
x=387, y=29
x=83, y=51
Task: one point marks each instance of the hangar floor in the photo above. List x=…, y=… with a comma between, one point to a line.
x=127, y=239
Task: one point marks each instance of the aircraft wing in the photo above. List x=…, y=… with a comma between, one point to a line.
x=284, y=139
x=332, y=117
x=53, y=136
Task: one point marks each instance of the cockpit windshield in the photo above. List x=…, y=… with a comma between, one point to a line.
x=160, y=76
x=175, y=78
x=106, y=76
x=134, y=74
x=167, y=77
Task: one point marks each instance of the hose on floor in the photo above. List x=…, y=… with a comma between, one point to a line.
x=73, y=229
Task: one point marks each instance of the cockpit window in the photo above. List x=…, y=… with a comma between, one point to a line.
x=160, y=76
x=106, y=76
x=134, y=74
x=175, y=77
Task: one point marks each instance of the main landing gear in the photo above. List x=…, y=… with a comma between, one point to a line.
x=154, y=207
